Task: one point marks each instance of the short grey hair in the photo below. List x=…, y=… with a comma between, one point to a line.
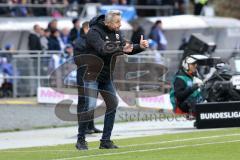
x=110, y=15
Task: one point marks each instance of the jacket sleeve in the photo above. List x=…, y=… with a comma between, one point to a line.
x=104, y=48
x=182, y=92
x=136, y=49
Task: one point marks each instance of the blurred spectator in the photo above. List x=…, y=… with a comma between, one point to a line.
x=34, y=44
x=34, y=39
x=72, y=10
x=41, y=33
x=6, y=71
x=158, y=36
x=75, y=31
x=68, y=52
x=123, y=2
x=44, y=39
x=2, y=59
x=54, y=43
x=59, y=59
x=45, y=33
x=65, y=35
x=6, y=89
x=181, y=7
x=137, y=32
x=56, y=13
x=4, y=11
x=198, y=6
x=41, y=11
x=53, y=25
x=51, y=8
x=9, y=48
x=19, y=10
x=80, y=43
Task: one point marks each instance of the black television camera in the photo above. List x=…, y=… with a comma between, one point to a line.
x=220, y=83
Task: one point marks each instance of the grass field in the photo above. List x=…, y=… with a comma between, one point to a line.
x=222, y=144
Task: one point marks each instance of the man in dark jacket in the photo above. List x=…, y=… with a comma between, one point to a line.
x=53, y=41
x=75, y=31
x=104, y=43
x=80, y=49
x=34, y=38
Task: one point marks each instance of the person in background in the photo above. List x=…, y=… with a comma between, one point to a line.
x=198, y=6
x=45, y=38
x=59, y=59
x=68, y=53
x=34, y=39
x=7, y=70
x=65, y=35
x=53, y=42
x=67, y=57
x=80, y=48
x=137, y=32
x=5, y=11
x=53, y=25
x=180, y=7
x=19, y=10
x=158, y=36
x=34, y=44
x=75, y=31
x=9, y=50
x=42, y=11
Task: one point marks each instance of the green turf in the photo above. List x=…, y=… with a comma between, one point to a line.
x=223, y=144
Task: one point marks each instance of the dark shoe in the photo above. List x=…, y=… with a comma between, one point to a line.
x=81, y=144
x=97, y=130
x=107, y=144
x=89, y=131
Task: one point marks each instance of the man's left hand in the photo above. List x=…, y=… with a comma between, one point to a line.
x=143, y=43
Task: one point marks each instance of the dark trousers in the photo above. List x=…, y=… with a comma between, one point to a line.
x=86, y=110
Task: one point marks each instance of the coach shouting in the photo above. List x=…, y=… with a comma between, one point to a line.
x=104, y=42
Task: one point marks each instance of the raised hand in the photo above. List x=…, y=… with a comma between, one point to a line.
x=143, y=43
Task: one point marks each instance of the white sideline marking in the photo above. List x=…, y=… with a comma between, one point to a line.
x=135, y=145
x=147, y=150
